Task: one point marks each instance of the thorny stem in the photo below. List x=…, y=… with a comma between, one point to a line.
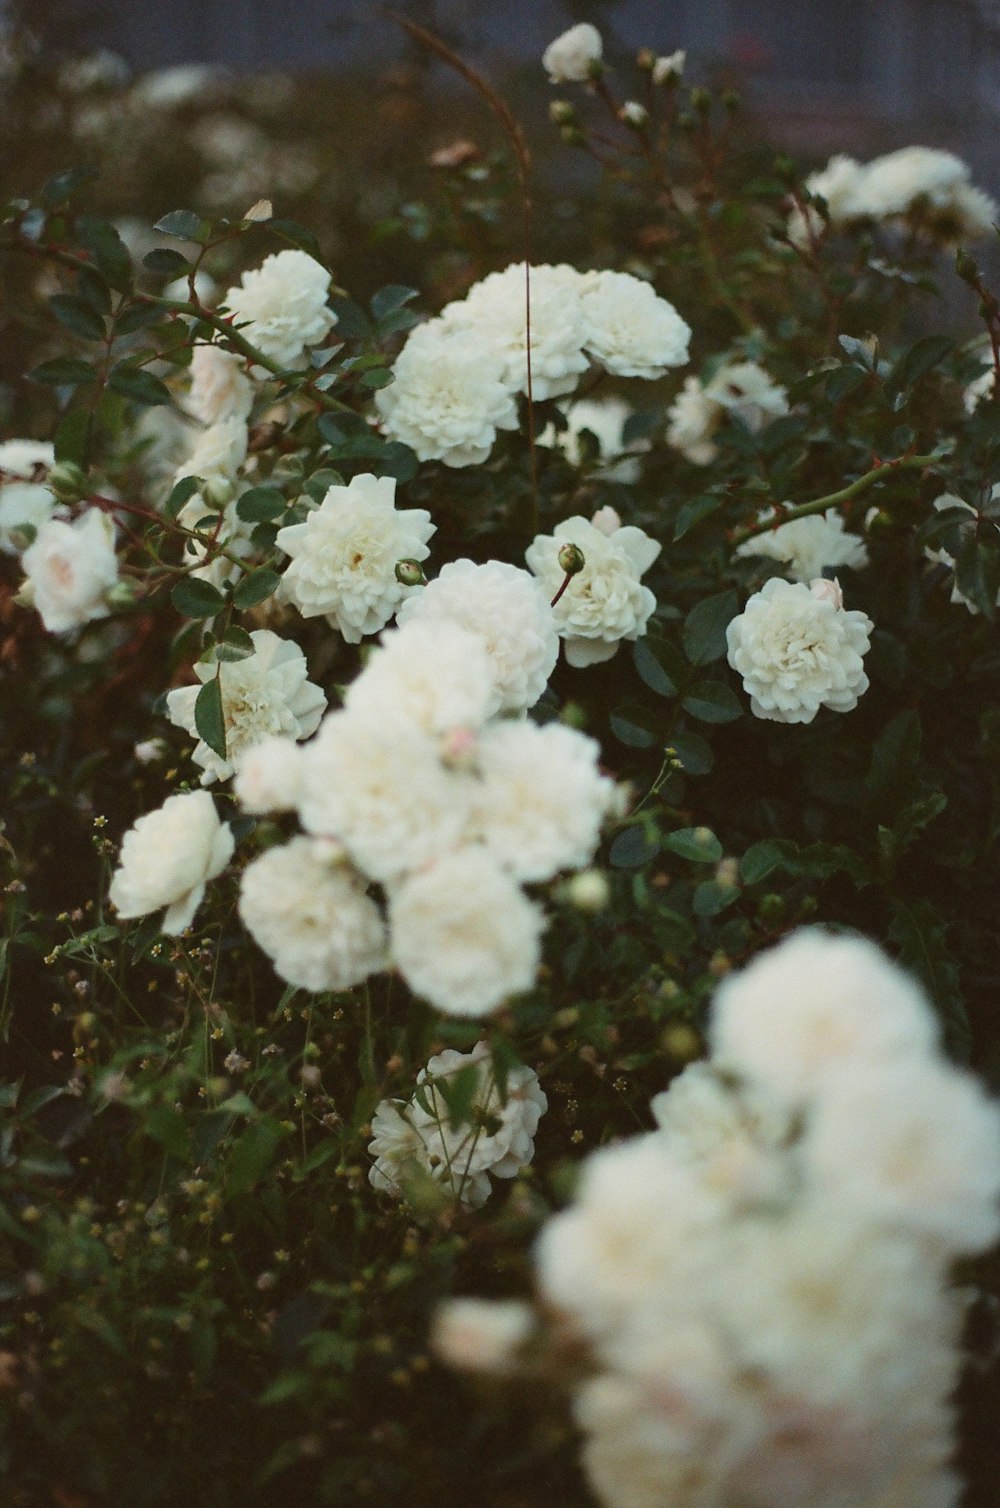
x=834, y=499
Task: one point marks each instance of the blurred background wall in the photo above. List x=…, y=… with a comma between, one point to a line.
x=852, y=74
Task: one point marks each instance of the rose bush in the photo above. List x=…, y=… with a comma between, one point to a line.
x=640, y=989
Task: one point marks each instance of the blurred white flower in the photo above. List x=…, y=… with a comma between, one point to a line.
x=741, y=389
x=808, y=546
x=312, y=917
x=24, y=501
x=344, y=557
x=509, y=612
x=669, y=67
x=477, y=1335
x=629, y=329
x=219, y=387
x=269, y=775
x=797, y=651
x=69, y=569
x=168, y=856
x=266, y=693
x=571, y=58
x=463, y=935
x=431, y=672
x=605, y=602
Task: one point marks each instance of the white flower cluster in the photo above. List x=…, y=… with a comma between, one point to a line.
x=798, y=649
x=280, y=306
x=761, y=1280
x=458, y=377
x=69, y=568
x=25, y=503
x=806, y=547
x=418, y=787
x=267, y=694
x=738, y=389
x=605, y=601
x=605, y=419
x=494, y=1136
x=929, y=188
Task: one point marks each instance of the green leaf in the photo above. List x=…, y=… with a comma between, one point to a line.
x=108, y=250
x=237, y=645
x=921, y=358
x=694, y=512
x=977, y=571
x=94, y=289
x=860, y=351
x=894, y=761
x=377, y=377
x=352, y=321
x=197, y=599
x=651, y=670
x=63, y=371
x=259, y=505
x=181, y=493
x=77, y=315
x=136, y=317
x=633, y=848
x=256, y=587
x=710, y=898
x=141, y=386
x=320, y=1154
x=72, y=440
x=633, y=726
x=62, y=186
x=762, y=859
x=390, y=299
x=208, y=717
x=164, y=259
x=167, y=1126
x=843, y=381
x=396, y=460
x=297, y=235
x=713, y=702
x=693, y=752
x=184, y=225
x=699, y=844
x=252, y=1154
x=459, y=1092
x=705, y=627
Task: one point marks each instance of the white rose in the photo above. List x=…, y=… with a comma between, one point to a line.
x=797, y=651
x=629, y=329
x=344, y=556
x=280, y=307
x=448, y=397
x=218, y=452
x=167, y=858
x=477, y=1335
x=267, y=693
x=23, y=500
x=269, y=776
x=494, y=315
x=463, y=935
x=509, y=612
x=605, y=602
x=434, y=674
x=220, y=388
x=312, y=917
x=571, y=58
x=808, y=546
x=69, y=569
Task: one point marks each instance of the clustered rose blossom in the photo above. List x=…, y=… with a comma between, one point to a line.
x=798, y=649
x=25, y=503
x=266, y=693
x=344, y=556
x=605, y=601
x=737, y=389
x=495, y=1137
x=929, y=189
x=458, y=377
x=280, y=307
x=758, y=1287
x=417, y=787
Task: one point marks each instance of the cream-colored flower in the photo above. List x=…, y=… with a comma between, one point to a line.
x=669, y=67
x=497, y=1135
x=431, y=672
x=740, y=389
x=463, y=935
x=478, y=1335
x=269, y=775
x=494, y=315
x=23, y=500
x=220, y=389
x=448, y=397
x=312, y=917
x=267, y=693
x=344, y=557
x=280, y=306
x=571, y=58
x=541, y=798
x=605, y=602
x=168, y=857
x=808, y=546
x=69, y=569
x=509, y=612
x=798, y=651
x=629, y=329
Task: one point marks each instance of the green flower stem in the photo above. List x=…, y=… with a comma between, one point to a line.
x=834, y=499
